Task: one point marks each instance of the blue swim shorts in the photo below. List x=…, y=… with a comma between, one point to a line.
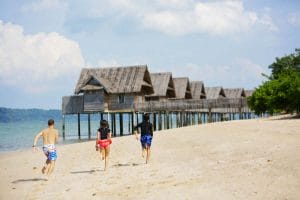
x=50, y=151
x=146, y=140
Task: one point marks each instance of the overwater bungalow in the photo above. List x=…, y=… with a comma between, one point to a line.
x=234, y=93
x=197, y=90
x=182, y=88
x=214, y=93
x=163, y=87
x=114, y=88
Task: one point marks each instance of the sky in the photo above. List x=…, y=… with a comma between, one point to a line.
x=44, y=44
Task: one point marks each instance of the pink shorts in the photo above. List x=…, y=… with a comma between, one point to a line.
x=104, y=143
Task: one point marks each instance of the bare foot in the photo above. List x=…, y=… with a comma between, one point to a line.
x=44, y=169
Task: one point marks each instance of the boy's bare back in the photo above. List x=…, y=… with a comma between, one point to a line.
x=50, y=136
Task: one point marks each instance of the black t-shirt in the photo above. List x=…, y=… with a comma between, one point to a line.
x=104, y=133
x=146, y=128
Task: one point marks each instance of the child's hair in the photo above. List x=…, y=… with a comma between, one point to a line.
x=146, y=117
x=103, y=124
x=50, y=122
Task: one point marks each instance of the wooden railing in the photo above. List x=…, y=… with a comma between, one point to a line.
x=78, y=104
x=193, y=104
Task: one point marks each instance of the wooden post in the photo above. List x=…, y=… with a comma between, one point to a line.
x=63, y=127
x=78, y=123
x=194, y=118
x=159, y=121
x=154, y=122
x=171, y=119
x=89, y=125
x=209, y=115
x=177, y=119
x=166, y=120
x=121, y=123
x=137, y=118
x=199, y=118
x=240, y=113
x=129, y=126
x=132, y=122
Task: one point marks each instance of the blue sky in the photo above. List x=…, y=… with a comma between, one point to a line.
x=45, y=43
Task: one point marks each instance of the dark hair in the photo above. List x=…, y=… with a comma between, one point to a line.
x=50, y=122
x=146, y=117
x=103, y=124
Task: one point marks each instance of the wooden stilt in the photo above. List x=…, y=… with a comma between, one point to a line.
x=129, y=126
x=78, y=123
x=89, y=125
x=159, y=121
x=166, y=120
x=63, y=127
x=132, y=122
x=154, y=122
x=171, y=120
x=121, y=123
x=209, y=116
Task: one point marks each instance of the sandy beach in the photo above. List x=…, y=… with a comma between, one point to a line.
x=249, y=159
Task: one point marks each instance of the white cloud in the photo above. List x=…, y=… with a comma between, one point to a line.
x=174, y=17
x=240, y=73
x=210, y=17
x=294, y=19
x=44, y=5
x=37, y=62
x=180, y=17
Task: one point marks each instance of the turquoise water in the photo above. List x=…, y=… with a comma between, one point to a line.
x=20, y=135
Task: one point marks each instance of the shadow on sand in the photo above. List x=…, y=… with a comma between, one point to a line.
x=86, y=171
x=28, y=180
x=127, y=164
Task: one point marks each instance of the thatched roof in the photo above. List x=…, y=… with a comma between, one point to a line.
x=182, y=88
x=163, y=85
x=116, y=80
x=234, y=93
x=214, y=92
x=197, y=90
x=249, y=93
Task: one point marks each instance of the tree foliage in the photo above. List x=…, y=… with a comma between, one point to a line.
x=281, y=92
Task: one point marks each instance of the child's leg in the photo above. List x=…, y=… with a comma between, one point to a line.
x=46, y=166
x=148, y=154
x=143, y=151
x=107, y=151
x=102, y=153
x=51, y=167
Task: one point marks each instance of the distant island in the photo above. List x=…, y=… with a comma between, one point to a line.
x=15, y=115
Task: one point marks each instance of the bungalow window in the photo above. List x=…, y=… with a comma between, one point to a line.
x=121, y=99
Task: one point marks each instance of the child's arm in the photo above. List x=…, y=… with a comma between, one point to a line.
x=136, y=130
x=56, y=137
x=37, y=138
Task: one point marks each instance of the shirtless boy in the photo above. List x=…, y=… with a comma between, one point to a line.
x=50, y=137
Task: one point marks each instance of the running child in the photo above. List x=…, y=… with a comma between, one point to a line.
x=103, y=141
x=146, y=136
x=50, y=138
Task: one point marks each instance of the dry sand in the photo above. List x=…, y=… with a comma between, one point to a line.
x=250, y=159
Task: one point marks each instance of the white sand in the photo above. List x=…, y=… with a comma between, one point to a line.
x=250, y=159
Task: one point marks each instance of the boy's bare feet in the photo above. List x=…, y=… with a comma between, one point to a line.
x=44, y=169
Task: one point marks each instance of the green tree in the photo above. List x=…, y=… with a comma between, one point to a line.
x=282, y=91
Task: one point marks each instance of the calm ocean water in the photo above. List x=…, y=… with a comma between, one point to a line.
x=20, y=135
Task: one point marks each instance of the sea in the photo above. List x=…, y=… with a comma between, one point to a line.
x=20, y=135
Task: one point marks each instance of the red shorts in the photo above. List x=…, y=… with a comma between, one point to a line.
x=104, y=143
